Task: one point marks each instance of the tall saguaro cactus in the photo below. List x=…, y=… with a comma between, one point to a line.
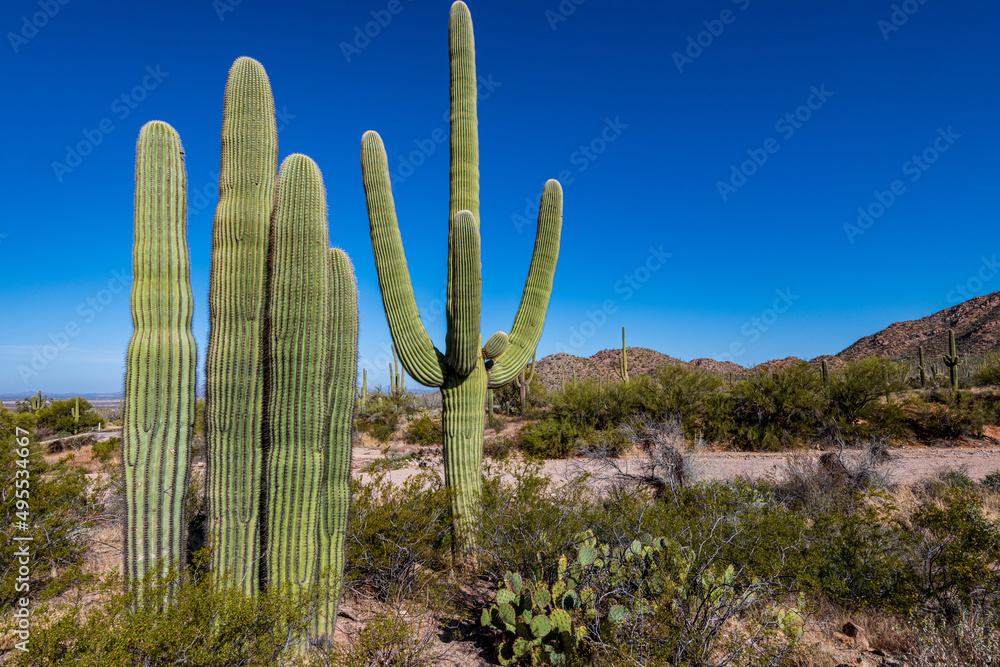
x=952, y=360
x=160, y=376
x=234, y=378
x=463, y=371
x=920, y=365
x=623, y=362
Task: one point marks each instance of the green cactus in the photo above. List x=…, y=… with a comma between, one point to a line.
x=363, y=392
x=623, y=362
x=335, y=489
x=234, y=377
x=461, y=371
x=75, y=411
x=825, y=369
x=397, y=376
x=160, y=372
x=920, y=365
x=952, y=360
x=282, y=363
x=37, y=402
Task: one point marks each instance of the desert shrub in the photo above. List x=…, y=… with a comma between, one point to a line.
x=855, y=397
x=970, y=640
x=498, y=448
x=947, y=415
x=988, y=374
x=105, y=450
x=425, y=431
x=49, y=503
x=958, y=556
x=397, y=535
x=552, y=438
x=58, y=416
x=386, y=640
x=695, y=398
x=777, y=410
x=992, y=481
x=202, y=626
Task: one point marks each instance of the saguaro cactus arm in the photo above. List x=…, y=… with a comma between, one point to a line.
x=416, y=351
x=530, y=318
x=465, y=301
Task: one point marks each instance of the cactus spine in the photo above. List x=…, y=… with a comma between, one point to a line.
x=234, y=377
x=952, y=360
x=160, y=376
x=623, y=362
x=920, y=365
x=461, y=371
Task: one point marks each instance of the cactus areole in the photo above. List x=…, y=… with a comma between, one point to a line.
x=461, y=372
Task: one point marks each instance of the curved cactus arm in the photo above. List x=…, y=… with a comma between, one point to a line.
x=420, y=358
x=530, y=319
x=465, y=287
x=335, y=497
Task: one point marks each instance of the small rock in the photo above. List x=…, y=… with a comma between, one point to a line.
x=857, y=633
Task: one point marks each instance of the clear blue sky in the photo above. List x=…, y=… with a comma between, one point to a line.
x=644, y=126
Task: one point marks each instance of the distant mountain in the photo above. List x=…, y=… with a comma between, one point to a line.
x=977, y=331
x=976, y=323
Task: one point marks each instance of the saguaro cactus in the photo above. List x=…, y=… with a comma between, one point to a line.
x=299, y=329
x=160, y=371
x=920, y=365
x=234, y=377
x=623, y=362
x=825, y=370
x=461, y=371
x=952, y=360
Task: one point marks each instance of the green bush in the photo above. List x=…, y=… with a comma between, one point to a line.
x=386, y=639
x=58, y=416
x=992, y=481
x=397, y=535
x=202, y=626
x=382, y=413
x=988, y=374
x=855, y=396
x=696, y=399
x=777, y=410
x=105, y=450
x=54, y=504
x=425, y=431
x=553, y=438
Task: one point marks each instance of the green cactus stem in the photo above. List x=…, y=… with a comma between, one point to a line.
x=37, y=402
x=234, y=377
x=299, y=329
x=825, y=369
x=363, y=393
x=952, y=360
x=335, y=489
x=461, y=371
x=623, y=362
x=160, y=370
x=920, y=365
x=397, y=381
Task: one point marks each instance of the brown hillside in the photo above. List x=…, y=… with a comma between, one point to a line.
x=977, y=330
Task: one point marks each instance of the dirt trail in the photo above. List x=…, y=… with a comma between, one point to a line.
x=910, y=464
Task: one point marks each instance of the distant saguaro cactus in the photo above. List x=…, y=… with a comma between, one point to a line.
x=825, y=369
x=160, y=370
x=462, y=372
x=920, y=365
x=623, y=362
x=952, y=360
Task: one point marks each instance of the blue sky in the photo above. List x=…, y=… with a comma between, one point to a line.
x=711, y=154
